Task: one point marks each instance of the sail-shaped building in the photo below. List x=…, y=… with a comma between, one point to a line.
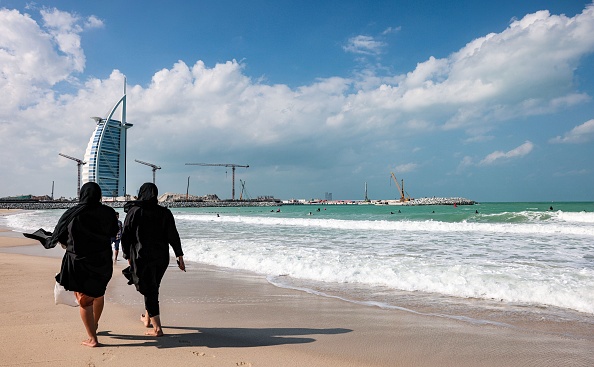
x=106, y=152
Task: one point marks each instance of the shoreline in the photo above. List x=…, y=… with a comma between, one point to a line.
x=51, y=205
x=214, y=317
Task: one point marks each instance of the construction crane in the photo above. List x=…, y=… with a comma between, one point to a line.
x=153, y=166
x=400, y=189
x=243, y=190
x=223, y=165
x=79, y=163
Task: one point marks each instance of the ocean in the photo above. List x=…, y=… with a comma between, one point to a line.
x=485, y=263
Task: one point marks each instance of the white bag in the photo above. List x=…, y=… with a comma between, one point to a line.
x=64, y=297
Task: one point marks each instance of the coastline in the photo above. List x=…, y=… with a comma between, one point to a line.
x=214, y=317
x=47, y=205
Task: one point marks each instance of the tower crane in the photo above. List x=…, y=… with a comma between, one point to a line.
x=79, y=164
x=223, y=165
x=153, y=166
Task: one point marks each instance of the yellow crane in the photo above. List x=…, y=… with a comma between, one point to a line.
x=243, y=190
x=223, y=165
x=400, y=189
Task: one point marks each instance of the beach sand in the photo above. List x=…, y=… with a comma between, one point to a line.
x=214, y=317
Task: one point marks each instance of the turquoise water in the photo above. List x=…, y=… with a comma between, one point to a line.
x=521, y=256
x=487, y=212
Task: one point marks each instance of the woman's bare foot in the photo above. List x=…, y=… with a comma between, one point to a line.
x=145, y=320
x=154, y=332
x=157, y=330
x=91, y=343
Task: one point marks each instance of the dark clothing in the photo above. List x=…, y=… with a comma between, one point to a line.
x=118, y=236
x=149, y=229
x=116, y=240
x=87, y=266
x=42, y=236
x=89, y=198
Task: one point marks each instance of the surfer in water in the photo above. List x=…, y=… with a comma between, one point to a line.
x=149, y=230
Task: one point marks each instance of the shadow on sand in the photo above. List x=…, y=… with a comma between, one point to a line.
x=221, y=337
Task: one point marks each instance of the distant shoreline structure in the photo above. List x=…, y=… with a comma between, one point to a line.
x=42, y=205
x=120, y=204
x=411, y=202
x=440, y=201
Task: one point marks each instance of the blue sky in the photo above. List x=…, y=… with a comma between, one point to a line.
x=490, y=101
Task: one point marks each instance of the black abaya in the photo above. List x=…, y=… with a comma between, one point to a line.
x=148, y=231
x=87, y=230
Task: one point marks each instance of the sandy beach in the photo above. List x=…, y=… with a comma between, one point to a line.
x=213, y=317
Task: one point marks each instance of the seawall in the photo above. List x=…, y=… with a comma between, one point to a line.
x=120, y=204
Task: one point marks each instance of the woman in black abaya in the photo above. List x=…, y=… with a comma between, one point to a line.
x=86, y=230
x=149, y=230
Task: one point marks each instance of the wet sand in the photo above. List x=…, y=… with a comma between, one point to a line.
x=214, y=317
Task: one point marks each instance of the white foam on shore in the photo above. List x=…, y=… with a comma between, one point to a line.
x=410, y=226
x=385, y=305
x=544, y=259
x=523, y=282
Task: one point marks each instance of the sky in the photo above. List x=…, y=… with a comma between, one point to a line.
x=490, y=101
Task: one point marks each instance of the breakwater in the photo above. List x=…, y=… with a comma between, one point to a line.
x=42, y=205
x=441, y=201
x=120, y=204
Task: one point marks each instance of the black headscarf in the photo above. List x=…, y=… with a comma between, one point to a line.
x=90, y=197
x=147, y=196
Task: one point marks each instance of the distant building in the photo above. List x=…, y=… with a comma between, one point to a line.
x=106, y=152
x=328, y=196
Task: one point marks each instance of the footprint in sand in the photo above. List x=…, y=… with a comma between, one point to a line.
x=243, y=364
x=201, y=354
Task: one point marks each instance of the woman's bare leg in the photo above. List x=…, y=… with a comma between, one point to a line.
x=86, y=314
x=98, y=305
x=146, y=320
x=157, y=330
x=86, y=310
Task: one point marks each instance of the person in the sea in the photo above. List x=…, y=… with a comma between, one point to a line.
x=116, y=239
x=149, y=230
x=86, y=230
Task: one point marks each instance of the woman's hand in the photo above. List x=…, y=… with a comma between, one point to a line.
x=180, y=263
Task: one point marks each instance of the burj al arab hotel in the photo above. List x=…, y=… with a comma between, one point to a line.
x=106, y=152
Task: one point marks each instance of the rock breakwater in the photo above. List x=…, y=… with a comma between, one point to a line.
x=120, y=204
x=441, y=201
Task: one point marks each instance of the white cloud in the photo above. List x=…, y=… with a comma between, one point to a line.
x=527, y=69
x=365, y=45
x=408, y=167
x=532, y=60
x=518, y=152
x=466, y=162
x=479, y=139
x=65, y=28
x=572, y=173
x=31, y=64
x=190, y=110
x=579, y=134
x=390, y=30
x=426, y=74
x=93, y=22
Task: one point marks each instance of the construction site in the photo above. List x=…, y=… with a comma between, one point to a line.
x=167, y=199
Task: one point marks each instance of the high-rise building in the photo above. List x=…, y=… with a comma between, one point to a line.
x=106, y=152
